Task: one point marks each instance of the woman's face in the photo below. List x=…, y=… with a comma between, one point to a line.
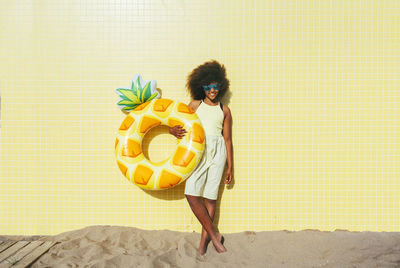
x=212, y=91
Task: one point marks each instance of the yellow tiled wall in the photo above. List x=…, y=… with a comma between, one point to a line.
x=314, y=97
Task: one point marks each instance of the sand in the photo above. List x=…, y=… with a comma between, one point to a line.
x=115, y=246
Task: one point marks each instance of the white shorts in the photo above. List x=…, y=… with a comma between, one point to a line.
x=206, y=178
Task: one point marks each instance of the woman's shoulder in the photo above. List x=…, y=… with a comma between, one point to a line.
x=194, y=104
x=225, y=109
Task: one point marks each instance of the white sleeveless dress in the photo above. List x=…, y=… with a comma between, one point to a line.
x=205, y=180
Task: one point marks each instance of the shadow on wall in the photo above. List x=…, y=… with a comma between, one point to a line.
x=226, y=99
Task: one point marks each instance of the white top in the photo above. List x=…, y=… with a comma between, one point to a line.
x=211, y=117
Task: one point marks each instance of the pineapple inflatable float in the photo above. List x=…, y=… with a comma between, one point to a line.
x=147, y=110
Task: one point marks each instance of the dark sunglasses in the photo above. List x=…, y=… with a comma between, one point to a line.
x=209, y=87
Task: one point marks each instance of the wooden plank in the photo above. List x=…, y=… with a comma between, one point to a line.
x=6, y=245
x=14, y=259
x=34, y=255
x=11, y=250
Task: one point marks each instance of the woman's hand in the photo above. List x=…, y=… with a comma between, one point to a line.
x=177, y=131
x=229, y=175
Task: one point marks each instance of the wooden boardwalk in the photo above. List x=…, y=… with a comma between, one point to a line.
x=18, y=254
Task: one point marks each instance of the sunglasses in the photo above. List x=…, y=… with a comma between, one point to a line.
x=209, y=87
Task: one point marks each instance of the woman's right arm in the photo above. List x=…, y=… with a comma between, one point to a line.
x=179, y=131
x=194, y=104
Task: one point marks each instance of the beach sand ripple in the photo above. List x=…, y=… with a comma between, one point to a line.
x=115, y=246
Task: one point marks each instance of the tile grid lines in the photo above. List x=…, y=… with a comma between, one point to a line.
x=36, y=136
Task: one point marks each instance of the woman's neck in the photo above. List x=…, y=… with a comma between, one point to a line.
x=210, y=102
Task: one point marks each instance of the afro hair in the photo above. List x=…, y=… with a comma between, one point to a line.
x=205, y=74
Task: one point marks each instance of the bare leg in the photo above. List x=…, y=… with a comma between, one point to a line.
x=202, y=215
x=205, y=239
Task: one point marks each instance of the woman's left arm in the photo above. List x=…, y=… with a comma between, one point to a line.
x=227, y=133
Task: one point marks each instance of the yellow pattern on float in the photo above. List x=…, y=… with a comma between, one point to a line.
x=170, y=172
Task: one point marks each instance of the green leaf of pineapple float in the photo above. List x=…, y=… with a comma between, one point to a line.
x=130, y=98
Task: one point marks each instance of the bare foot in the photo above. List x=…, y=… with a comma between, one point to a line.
x=205, y=239
x=219, y=247
x=203, y=247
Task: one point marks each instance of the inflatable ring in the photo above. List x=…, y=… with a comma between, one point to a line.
x=172, y=171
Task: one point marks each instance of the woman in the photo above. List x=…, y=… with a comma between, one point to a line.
x=207, y=84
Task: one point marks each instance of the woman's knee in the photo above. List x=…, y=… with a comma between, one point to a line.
x=192, y=198
x=210, y=201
